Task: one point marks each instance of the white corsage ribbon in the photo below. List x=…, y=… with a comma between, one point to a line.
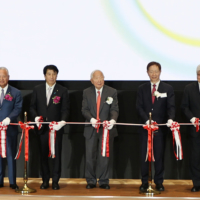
x=158, y=94
x=109, y=100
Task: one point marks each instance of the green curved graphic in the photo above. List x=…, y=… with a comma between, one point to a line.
x=175, y=36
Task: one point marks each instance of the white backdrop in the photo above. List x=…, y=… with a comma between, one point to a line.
x=118, y=37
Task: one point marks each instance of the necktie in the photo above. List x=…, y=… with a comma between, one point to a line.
x=98, y=104
x=48, y=95
x=153, y=97
x=2, y=96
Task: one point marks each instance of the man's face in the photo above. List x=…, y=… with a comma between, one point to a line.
x=98, y=80
x=154, y=73
x=198, y=76
x=4, y=78
x=50, y=77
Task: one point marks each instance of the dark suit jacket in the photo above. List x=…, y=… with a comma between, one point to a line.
x=52, y=112
x=162, y=109
x=191, y=104
x=11, y=109
x=107, y=112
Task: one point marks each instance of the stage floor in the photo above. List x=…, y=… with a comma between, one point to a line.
x=74, y=189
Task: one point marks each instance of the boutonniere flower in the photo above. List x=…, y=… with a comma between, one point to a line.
x=157, y=94
x=109, y=100
x=56, y=99
x=8, y=97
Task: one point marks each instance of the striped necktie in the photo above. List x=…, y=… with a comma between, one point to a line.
x=2, y=96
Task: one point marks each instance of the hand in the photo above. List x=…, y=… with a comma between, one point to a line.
x=169, y=122
x=59, y=125
x=193, y=121
x=37, y=119
x=93, y=121
x=6, y=121
x=147, y=122
x=111, y=124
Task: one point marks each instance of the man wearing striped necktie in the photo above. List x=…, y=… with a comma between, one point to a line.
x=96, y=108
x=50, y=100
x=10, y=108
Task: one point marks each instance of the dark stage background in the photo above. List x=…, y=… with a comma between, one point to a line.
x=126, y=159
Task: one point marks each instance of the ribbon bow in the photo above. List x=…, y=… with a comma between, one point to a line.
x=3, y=140
x=150, y=128
x=177, y=138
x=25, y=130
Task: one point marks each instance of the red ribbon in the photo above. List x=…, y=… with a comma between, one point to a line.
x=197, y=124
x=97, y=126
x=175, y=127
x=151, y=128
x=105, y=140
x=3, y=140
x=40, y=120
x=25, y=129
x=52, y=131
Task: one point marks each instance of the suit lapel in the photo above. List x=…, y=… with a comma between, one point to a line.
x=197, y=88
x=43, y=94
x=7, y=92
x=93, y=99
x=160, y=89
x=149, y=96
x=103, y=97
x=53, y=94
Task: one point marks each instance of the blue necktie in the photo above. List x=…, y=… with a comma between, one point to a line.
x=2, y=96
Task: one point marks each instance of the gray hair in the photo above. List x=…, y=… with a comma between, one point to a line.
x=198, y=68
x=91, y=75
x=4, y=68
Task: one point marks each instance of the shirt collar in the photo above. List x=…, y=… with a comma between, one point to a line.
x=99, y=90
x=47, y=86
x=157, y=84
x=4, y=89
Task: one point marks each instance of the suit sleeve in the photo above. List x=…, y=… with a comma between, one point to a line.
x=33, y=105
x=17, y=107
x=85, y=107
x=65, y=105
x=114, y=110
x=171, y=104
x=140, y=106
x=185, y=105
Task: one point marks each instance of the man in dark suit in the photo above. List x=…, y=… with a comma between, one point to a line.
x=51, y=101
x=99, y=104
x=191, y=108
x=162, y=108
x=10, y=108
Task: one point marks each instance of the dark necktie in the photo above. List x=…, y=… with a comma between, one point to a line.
x=154, y=89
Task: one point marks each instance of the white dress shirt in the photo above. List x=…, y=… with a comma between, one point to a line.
x=47, y=88
x=157, y=84
x=4, y=90
x=97, y=91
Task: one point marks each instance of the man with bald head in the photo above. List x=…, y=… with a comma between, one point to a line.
x=99, y=104
x=191, y=108
x=10, y=108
